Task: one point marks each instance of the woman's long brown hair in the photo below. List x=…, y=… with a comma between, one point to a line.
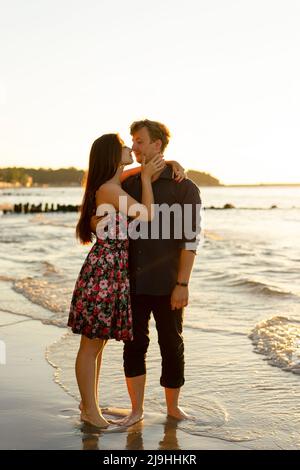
x=105, y=157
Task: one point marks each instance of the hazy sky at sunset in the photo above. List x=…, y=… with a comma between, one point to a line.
x=222, y=74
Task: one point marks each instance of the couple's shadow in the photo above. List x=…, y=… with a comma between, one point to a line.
x=91, y=439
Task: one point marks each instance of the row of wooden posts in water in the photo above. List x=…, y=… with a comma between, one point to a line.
x=39, y=208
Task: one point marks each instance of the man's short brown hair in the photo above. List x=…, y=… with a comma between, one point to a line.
x=156, y=130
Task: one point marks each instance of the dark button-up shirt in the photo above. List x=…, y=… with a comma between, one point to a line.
x=153, y=259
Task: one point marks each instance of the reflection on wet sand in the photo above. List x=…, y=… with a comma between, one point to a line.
x=90, y=442
x=91, y=439
x=169, y=440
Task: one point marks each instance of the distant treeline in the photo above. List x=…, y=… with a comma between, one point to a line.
x=202, y=179
x=73, y=177
x=36, y=177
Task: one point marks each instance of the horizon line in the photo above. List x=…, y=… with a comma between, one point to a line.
x=261, y=183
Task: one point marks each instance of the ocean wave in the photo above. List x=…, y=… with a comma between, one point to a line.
x=250, y=208
x=278, y=338
x=54, y=296
x=7, y=278
x=49, y=268
x=11, y=240
x=215, y=276
x=53, y=321
x=41, y=219
x=261, y=288
x=210, y=235
x=220, y=331
x=20, y=261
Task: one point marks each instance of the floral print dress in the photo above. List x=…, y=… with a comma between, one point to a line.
x=100, y=306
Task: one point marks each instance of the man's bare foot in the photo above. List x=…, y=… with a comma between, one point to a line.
x=94, y=419
x=178, y=413
x=133, y=418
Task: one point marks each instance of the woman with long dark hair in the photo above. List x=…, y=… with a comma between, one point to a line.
x=100, y=306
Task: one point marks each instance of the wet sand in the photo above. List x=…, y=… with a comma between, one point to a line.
x=37, y=414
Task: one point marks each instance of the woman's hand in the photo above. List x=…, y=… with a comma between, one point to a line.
x=178, y=172
x=98, y=223
x=153, y=166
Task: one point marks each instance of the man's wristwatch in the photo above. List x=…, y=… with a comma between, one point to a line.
x=183, y=284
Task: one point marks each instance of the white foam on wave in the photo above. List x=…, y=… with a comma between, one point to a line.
x=54, y=355
x=15, y=303
x=53, y=296
x=279, y=340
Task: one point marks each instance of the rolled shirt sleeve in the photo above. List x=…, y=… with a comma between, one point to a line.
x=191, y=204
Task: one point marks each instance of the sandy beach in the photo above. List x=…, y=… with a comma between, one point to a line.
x=37, y=414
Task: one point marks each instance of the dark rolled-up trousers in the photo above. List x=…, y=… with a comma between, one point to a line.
x=169, y=330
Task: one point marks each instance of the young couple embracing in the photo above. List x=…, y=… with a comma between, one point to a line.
x=124, y=279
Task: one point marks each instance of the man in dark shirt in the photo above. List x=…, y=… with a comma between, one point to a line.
x=161, y=257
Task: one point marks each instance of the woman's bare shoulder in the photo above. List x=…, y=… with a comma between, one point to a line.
x=108, y=187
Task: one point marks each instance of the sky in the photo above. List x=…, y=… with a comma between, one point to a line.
x=223, y=75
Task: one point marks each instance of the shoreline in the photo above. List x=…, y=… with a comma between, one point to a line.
x=259, y=185
x=4, y=185
x=36, y=413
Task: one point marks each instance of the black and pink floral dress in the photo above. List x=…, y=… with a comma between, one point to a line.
x=100, y=306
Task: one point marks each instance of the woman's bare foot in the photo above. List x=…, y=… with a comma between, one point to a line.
x=179, y=414
x=94, y=419
x=110, y=421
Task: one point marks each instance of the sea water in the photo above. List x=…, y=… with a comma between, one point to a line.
x=241, y=328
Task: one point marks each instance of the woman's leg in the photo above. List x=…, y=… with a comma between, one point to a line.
x=86, y=374
x=98, y=366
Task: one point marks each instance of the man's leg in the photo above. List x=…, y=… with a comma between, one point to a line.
x=135, y=355
x=136, y=391
x=169, y=329
x=173, y=409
